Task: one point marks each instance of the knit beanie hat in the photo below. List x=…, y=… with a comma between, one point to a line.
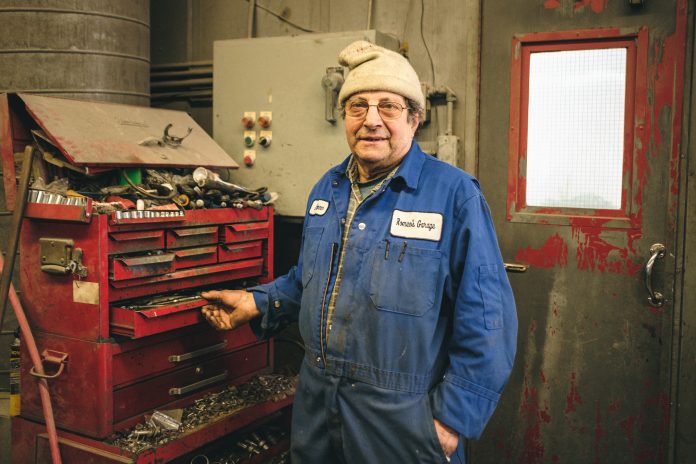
x=372, y=67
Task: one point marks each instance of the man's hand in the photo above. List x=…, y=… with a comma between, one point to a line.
x=228, y=309
x=449, y=439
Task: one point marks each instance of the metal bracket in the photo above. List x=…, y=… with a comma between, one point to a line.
x=52, y=357
x=172, y=140
x=59, y=256
x=332, y=83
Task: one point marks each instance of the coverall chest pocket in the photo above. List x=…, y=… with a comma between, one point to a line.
x=310, y=247
x=404, y=278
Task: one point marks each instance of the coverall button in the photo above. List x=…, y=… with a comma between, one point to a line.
x=276, y=303
x=318, y=358
x=361, y=226
x=343, y=220
x=334, y=183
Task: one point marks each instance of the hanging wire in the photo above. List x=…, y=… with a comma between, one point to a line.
x=425, y=44
x=282, y=18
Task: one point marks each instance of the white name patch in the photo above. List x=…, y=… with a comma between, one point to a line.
x=319, y=208
x=414, y=224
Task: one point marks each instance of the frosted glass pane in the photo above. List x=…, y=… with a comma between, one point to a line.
x=575, y=128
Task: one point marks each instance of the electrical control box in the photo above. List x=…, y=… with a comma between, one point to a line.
x=280, y=89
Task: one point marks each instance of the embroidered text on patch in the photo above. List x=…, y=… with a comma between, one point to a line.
x=415, y=224
x=319, y=208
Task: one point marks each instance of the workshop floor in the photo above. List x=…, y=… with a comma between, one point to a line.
x=4, y=428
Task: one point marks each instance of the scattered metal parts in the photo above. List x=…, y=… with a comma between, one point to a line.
x=149, y=434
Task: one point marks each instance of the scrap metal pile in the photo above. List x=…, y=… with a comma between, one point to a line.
x=162, y=427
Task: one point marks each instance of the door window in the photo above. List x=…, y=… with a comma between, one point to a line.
x=573, y=116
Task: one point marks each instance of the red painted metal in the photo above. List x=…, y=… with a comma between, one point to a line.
x=242, y=232
x=124, y=380
x=192, y=257
x=192, y=236
x=138, y=324
x=237, y=251
x=139, y=240
x=29, y=442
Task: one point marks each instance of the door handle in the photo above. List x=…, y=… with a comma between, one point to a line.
x=657, y=251
x=516, y=267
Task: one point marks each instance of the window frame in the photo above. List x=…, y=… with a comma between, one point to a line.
x=523, y=45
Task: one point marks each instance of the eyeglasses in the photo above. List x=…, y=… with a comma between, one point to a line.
x=387, y=109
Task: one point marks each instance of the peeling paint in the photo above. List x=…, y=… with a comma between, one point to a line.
x=536, y=416
x=552, y=4
x=551, y=254
x=599, y=434
x=595, y=252
x=597, y=6
x=573, y=398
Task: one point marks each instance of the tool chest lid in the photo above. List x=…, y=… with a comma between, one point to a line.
x=106, y=135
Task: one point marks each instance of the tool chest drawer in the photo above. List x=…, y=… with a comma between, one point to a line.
x=192, y=236
x=160, y=390
x=237, y=251
x=139, y=240
x=244, y=231
x=130, y=259
x=194, y=345
x=193, y=257
x=134, y=266
x=107, y=386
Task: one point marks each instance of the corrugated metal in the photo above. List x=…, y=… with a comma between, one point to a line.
x=87, y=49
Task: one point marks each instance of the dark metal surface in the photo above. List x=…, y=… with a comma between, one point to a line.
x=15, y=229
x=109, y=134
x=592, y=375
x=88, y=49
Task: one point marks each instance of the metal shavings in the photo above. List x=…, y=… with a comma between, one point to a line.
x=274, y=387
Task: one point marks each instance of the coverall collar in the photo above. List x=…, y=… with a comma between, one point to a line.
x=409, y=170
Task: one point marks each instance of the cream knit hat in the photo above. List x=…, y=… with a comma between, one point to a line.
x=372, y=67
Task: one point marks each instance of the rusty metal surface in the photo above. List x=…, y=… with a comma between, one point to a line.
x=592, y=376
x=109, y=134
x=88, y=49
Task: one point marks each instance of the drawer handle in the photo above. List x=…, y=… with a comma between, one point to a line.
x=195, y=386
x=197, y=353
x=191, y=232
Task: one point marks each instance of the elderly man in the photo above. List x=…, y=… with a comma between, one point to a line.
x=403, y=303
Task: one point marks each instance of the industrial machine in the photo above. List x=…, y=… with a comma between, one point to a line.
x=112, y=288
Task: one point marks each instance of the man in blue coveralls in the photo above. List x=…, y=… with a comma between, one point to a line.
x=403, y=303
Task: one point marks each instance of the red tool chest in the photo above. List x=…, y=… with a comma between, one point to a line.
x=121, y=360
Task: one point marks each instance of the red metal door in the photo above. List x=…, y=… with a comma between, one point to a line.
x=582, y=100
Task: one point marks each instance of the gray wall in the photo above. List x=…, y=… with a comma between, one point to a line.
x=184, y=31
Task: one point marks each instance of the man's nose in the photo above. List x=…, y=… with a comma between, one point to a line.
x=372, y=118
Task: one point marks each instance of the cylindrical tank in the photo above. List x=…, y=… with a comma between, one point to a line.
x=86, y=49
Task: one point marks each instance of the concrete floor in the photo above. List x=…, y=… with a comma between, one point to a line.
x=4, y=428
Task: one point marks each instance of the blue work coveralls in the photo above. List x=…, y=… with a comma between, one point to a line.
x=424, y=324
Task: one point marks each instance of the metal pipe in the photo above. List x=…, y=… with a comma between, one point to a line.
x=182, y=83
x=369, y=15
x=15, y=227
x=250, y=18
x=28, y=338
x=208, y=71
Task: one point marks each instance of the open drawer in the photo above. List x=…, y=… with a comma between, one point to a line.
x=157, y=319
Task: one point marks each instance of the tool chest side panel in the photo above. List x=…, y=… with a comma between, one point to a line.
x=50, y=299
